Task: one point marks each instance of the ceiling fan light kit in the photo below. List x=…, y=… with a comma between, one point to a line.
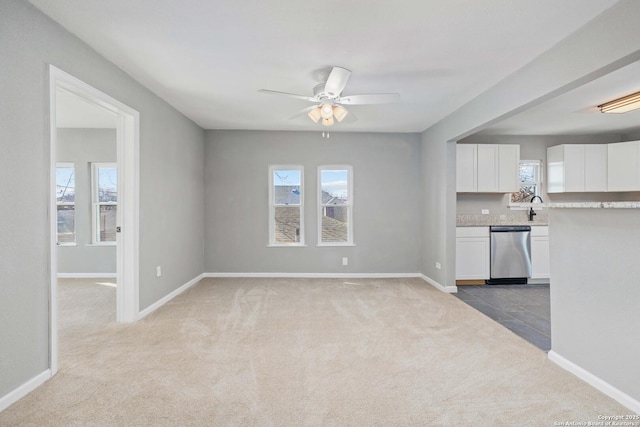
x=329, y=97
x=621, y=105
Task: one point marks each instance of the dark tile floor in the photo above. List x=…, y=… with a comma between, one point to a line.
x=524, y=309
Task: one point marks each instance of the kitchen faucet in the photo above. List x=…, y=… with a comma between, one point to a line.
x=531, y=211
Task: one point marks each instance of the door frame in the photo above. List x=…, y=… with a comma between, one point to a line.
x=128, y=213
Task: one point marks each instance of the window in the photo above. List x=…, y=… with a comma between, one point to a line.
x=530, y=180
x=286, y=198
x=105, y=202
x=66, y=203
x=335, y=201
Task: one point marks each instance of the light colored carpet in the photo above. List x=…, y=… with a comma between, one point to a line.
x=305, y=352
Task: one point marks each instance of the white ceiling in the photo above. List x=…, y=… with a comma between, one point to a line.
x=576, y=112
x=209, y=58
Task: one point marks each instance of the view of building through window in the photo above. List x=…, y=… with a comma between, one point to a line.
x=529, y=173
x=286, y=206
x=105, y=204
x=335, y=205
x=65, y=201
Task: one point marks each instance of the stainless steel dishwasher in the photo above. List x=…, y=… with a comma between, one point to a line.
x=510, y=254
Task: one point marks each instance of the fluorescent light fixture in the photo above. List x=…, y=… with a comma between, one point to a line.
x=621, y=105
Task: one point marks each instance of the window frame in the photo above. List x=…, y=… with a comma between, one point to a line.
x=75, y=236
x=96, y=204
x=349, y=205
x=537, y=183
x=272, y=207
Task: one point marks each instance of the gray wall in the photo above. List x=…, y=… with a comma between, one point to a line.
x=387, y=200
x=171, y=183
x=83, y=147
x=535, y=148
x=595, y=292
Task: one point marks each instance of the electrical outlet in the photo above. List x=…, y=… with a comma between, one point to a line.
x=158, y=271
x=438, y=265
x=345, y=261
x=485, y=211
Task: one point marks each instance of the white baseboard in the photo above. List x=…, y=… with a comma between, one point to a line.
x=595, y=381
x=156, y=305
x=447, y=289
x=87, y=275
x=26, y=388
x=317, y=275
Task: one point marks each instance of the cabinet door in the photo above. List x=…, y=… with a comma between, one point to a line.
x=472, y=258
x=466, y=170
x=555, y=169
x=574, y=168
x=540, y=257
x=595, y=167
x=488, y=171
x=622, y=166
x=508, y=168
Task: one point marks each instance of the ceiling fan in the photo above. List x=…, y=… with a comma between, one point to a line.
x=330, y=101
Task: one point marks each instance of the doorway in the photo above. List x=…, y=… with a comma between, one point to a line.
x=127, y=216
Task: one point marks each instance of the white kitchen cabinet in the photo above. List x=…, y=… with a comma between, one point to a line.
x=540, y=252
x=495, y=169
x=472, y=253
x=466, y=168
x=623, y=173
x=595, y=167
x=576, y=168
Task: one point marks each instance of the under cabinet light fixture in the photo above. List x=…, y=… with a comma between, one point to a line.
x=621, y=105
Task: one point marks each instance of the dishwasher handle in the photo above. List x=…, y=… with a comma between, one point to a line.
x=509, y=228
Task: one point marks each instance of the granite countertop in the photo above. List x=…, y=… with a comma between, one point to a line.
x=587, y=205
x=541, y=218
x=519, y=218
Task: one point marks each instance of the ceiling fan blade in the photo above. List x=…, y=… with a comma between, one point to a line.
x=337, y=81
x=371, y=98
x=303, y=112
x=291, y=95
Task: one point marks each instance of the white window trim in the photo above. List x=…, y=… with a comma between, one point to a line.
x=272, y=208
x=95, y=205
x=520, y=206
x=74, y=243
x=350, y=205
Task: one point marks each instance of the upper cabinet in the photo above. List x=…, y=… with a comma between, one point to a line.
x=577, y=168
x=487, y=168
x=624, y=166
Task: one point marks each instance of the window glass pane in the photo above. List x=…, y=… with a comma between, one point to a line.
x=286, y=187
x=335, y=224
x=107, y=184
x=66, y=224
x=287, y=224
x=527, y=173
x=107, y=223
x=335, y=187
x=65, y=185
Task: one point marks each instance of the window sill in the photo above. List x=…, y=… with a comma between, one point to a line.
x=291, y=245
x=102, y=244
x=67, y=244
x=524, y=206
x=333, y=245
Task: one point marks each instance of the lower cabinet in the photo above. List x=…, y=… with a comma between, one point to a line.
x=540, y=252
x=472, y=253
